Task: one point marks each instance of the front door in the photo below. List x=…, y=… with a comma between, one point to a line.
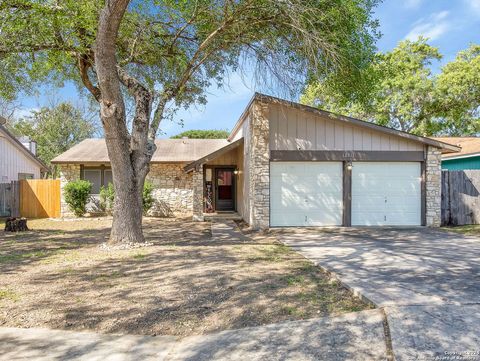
x=225, y=189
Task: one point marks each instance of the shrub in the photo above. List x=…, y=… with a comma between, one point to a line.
x=147, y=197
x=107, y=195
x=77, y=194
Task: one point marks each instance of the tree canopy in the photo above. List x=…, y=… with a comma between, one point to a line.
x=403, y=93
x=55, y=130
x=203, y=134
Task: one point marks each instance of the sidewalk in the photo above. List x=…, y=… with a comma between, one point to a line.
x=353, y=336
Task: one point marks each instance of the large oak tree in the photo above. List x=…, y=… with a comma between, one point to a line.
x=159, y=55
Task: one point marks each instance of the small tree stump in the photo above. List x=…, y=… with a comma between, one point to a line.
x=16, y=225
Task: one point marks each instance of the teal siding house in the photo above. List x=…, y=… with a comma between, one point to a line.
x=467, y=158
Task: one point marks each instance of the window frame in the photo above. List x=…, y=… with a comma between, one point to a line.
x=102, y=168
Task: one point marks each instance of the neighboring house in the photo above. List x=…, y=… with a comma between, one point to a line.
x=286, y=164
x=467, y=158
x=17, y=158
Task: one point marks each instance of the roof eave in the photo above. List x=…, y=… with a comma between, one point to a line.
x=211, y=156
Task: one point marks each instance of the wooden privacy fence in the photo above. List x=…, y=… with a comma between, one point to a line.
x=40, y=198
x=32, y=198
x=460, y=197
x=9, y=199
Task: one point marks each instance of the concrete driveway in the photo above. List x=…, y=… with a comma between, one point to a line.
x=428, y=282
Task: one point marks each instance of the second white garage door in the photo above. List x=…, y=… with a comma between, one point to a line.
x=306, y=193
x=386, y=193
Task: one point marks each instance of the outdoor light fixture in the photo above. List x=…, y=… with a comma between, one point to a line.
x=349, y=166
x=236, y=172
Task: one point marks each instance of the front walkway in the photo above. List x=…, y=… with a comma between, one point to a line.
x=428, y=282
x=354, y=336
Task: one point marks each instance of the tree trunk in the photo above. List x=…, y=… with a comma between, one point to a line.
x=127, y=212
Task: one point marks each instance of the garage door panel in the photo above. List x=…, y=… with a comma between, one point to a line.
x=370, y=218
x=312, y=196
x=325, y=218
x=290, y=219
x=365, y=202
x=386, y=193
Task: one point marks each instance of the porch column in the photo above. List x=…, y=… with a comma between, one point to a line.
x=198, y=194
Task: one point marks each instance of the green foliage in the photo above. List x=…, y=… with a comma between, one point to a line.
x=404, y=94
x=77, y=194
x=188, y=45
x=107, y=196
x=203, y=134
x=147, y=197
x=55, y=129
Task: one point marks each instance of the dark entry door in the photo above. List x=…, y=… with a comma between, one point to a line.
x=225, y=189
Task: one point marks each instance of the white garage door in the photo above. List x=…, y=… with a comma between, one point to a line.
x=386, y=193
x=306, y=193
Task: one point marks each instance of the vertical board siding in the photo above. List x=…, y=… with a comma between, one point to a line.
x=14, y=161
x=40, y=198
x=294, y=128
x=460, y=197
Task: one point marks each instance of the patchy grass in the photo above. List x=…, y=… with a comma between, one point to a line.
x=184, y=284
x=6, y=294
x=470, y=230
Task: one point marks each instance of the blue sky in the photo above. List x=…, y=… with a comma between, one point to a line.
x=451, y=25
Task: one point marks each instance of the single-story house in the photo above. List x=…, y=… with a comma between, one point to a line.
x=467, y=158
x=287, y=164
x=17, y=159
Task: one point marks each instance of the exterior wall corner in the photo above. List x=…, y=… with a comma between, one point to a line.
x=198, y=194
x=259, y=165
x=433, y=185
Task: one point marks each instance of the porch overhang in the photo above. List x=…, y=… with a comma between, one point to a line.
x=211, y=156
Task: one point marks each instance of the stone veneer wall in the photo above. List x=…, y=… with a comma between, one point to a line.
x=259, y=167
x=198, y=194
x=173, y=190
x=68, y=173
x=433, y=187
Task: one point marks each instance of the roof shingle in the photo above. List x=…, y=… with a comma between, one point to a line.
x=168, y=151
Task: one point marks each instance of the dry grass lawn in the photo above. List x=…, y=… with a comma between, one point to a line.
x=57, y=276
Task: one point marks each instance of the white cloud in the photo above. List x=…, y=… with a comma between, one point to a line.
x=474, y=4
x=412, y=4
x=432, y=27
x=24, y=112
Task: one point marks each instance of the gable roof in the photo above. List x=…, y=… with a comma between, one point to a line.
x=444, y=146
x=6, y=133
x=470, y=146
x=213, y=155
x=168, y=151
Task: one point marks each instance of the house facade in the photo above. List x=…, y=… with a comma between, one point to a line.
x=467, y=158
x=286, y=164
x=17, y=160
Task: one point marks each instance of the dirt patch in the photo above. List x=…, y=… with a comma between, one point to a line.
x=58, y=276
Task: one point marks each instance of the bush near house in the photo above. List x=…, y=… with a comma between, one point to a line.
x=107, y=197
x=77, y=194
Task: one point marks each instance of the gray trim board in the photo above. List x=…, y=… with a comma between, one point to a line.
x=347, y=195
x=423, y=194
x=341, y=156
